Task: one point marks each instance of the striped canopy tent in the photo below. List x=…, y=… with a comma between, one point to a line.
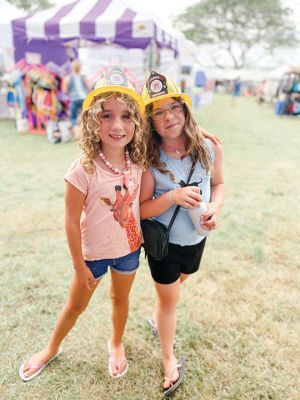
x=52, y=31
x=7, y=13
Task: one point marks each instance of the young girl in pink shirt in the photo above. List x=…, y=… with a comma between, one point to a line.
x=103, y=184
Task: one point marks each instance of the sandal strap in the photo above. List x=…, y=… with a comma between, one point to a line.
x=31, y=365
x=122, y=359
x=113, y=363
x=169, y=379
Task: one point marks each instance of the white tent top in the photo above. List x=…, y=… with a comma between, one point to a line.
x=8, y=12
x=95, y=20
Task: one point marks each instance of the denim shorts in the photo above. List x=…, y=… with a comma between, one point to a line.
x=124, y=265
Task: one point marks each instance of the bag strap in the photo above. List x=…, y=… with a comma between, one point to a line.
x=178, y=207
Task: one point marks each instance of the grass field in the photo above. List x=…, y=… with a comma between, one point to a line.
x=238, y=317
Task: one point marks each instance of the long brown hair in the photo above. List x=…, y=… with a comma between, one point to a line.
x=194, y=140
x=90, y=141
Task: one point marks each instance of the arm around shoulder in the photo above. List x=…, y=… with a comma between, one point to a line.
x=214, y=138
x=218, y=173
x=217, y=180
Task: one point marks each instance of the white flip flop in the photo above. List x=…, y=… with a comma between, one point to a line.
x=39, y=366
x=111, y=360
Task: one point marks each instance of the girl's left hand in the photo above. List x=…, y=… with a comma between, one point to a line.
x=210, y=217
x=207, y=135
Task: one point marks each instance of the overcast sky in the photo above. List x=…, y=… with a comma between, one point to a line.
x=167, y=10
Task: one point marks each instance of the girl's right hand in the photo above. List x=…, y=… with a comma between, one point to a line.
x=187, y=197
x=85, y=278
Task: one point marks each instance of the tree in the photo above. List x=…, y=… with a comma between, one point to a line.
x=238, y=30
x=31, y=5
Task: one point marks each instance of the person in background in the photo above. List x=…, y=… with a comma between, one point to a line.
x=76, y=87
x=236, y=91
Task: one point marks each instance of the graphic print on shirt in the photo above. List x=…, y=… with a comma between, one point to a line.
x=122, y=213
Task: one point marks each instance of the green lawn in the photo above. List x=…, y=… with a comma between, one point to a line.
x=238, y=317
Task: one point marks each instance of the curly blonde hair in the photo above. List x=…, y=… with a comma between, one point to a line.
x=195, y=146
x=90, y=141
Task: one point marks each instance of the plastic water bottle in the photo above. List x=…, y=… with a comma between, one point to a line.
x=195, y=214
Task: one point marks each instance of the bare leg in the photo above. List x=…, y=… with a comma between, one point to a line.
x=120, y=288
x=76, y=303
x=165, y=316
x=183, y=277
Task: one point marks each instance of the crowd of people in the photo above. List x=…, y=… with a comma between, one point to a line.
x=48, y=99
x=138, y=155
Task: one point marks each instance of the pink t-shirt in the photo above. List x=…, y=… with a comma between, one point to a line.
x=110, y=227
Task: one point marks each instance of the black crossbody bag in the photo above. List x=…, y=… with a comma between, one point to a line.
x=156, y=235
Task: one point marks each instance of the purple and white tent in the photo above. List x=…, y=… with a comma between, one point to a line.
x=7, y=14
x=49, y=32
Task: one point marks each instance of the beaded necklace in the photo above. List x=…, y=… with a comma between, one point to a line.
x=126, y=172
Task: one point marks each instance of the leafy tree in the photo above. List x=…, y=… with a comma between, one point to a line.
x=30, y=5
x=236, y=30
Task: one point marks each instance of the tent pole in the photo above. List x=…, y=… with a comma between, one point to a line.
x=151, y=54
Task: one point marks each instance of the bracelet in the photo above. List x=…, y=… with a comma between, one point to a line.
x=170, y=197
